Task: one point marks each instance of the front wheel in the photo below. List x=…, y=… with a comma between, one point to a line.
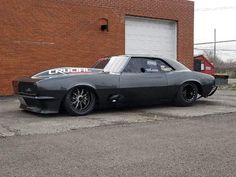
x=80, y=101
x=187, y=95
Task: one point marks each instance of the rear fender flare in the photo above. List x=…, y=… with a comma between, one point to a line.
x=198, y=84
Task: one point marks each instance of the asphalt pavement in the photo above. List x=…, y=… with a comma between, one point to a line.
x=165, y=141
x=193, y=147
x=15, y=122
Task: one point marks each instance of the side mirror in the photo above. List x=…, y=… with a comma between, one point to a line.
x=143, y=70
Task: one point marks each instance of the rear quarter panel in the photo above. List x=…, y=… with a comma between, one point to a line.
x=177, y=78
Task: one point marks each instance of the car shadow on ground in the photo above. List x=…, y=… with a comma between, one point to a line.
x=105, y=111
x=206, y=102
x=102, y=111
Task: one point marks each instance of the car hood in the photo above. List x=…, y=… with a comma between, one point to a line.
x=60, y=72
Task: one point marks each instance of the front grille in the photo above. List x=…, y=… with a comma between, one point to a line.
x=27, y=88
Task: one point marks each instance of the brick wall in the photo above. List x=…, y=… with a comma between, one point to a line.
x=39, y=34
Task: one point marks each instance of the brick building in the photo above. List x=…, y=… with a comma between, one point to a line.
x=39, y=34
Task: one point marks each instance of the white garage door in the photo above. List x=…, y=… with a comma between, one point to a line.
x=151, y=36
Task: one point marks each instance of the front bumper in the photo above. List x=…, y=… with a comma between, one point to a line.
x=41, y=104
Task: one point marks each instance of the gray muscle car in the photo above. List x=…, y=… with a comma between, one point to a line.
x=113, y=81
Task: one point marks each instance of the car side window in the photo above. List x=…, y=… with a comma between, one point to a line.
x=147, y=65
x=134, y=65
x=151, y=66
x=164, y=67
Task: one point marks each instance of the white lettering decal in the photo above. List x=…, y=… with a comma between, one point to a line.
x=67, y=70
x=51, y=72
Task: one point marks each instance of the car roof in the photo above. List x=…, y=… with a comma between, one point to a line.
x=142, y=55
x=174, y=63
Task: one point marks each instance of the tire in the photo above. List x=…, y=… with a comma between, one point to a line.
x=80, y=101
x=187, y=95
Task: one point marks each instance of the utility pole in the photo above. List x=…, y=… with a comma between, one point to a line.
x=214, y=44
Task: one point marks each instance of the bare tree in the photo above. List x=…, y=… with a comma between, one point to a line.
x=218, y=62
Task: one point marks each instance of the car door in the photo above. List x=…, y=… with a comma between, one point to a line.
x=143, y=81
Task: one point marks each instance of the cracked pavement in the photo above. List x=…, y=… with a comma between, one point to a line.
x=15, y=122
x=165, y=141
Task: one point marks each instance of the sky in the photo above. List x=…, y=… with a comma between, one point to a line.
x=219, y=15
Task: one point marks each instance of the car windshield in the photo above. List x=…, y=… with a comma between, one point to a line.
x=113, y=65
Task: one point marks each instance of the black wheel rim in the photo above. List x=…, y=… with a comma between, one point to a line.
x=80, y=99
x=189, y=93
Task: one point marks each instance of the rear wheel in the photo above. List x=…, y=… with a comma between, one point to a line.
x=80, y=101
x=187, y=95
